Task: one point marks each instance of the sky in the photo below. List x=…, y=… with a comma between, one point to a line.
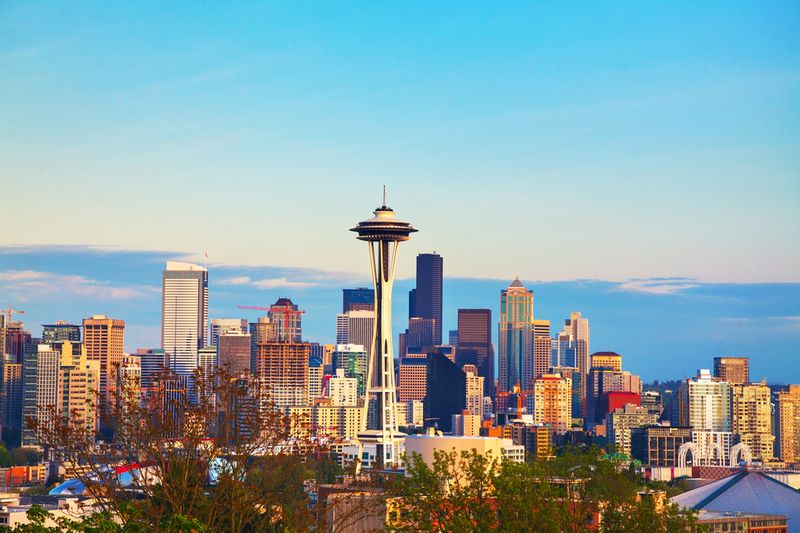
x=630, y=139
x=613, y=142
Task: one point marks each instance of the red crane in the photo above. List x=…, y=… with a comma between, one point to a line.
x=10, y=312
x=286, y=310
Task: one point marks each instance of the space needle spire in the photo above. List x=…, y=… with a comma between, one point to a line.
x=383, y=233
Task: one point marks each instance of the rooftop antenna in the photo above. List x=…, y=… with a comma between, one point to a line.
x=384, y=196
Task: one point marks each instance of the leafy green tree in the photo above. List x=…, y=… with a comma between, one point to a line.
x=470, y=492
x=25, y=456
x=451, y=495
x=5, y=457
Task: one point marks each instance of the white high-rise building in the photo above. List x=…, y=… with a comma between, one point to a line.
x=343, y=390
x=706, y=403
x=356, y=327
x=342, y=322
x=184, y=315
x=576, y=328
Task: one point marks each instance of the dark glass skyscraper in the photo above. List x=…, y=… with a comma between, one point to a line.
x=446, y=391
x=359, y=299
x=427, y=300
x=475, y=344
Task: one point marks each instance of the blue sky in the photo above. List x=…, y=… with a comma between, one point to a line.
x=555, y=141
x=613, y=141
x=664, y=328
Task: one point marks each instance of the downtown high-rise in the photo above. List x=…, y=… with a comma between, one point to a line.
x=425, y=301
x=475, y=344
x=515, y=338
x=184, y=315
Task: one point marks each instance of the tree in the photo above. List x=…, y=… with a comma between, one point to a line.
x=471, y=492
x=452, y=494
x=213, y=453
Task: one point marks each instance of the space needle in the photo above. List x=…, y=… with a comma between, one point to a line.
x=383, y=232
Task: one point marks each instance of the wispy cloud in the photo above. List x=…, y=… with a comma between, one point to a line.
x=236, y=280
x=660, y=286
x=21, y=275
x=789, y=322
x=26, y=284
x=268, y=283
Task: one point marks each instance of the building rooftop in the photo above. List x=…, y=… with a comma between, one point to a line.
x=749, y=492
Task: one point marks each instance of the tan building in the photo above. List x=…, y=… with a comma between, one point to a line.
x=427, y=445
x=103, y=340
x=789, y=423
x=541, y=347
x=751, y=417
x=734, y=370
x=466, y=424
x=336, y=421
x=552, y=402
x=610, y=360
x=474, y=384
x=283, y=368
x=78, y=385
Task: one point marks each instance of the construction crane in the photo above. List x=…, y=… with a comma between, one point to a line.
x=10, y=312
x=287, y=312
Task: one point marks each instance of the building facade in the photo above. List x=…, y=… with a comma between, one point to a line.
x=103, y=340
x=475, y=344
x=552, y=402
x=184, y=315
x=428, y=294
x=706, y=403
x=752, y=419
x=515, y=337
x=734, y=370
x=621, y=422
x=789, y=424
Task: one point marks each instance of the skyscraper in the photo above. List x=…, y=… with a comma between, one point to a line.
x=752, y=419
x=706, y=404
x=610, y=360
x=552, y=402
x=288, y=318
x=541, y=347
x=734, y=370
x=446, y=390
x=515, y=337
x=475, y=344
x=420, y=333
x=789, y=424
x=353, y=361
x=577, y=328
x=223, y=325
x=356, y=327
x=283, y=368
x=61, y=331
x=40, y=387
x=383, y=233
x=152, y=363
x=358, y=299
x=184, y=315
x=428, y=296
x=233, y=351
x=104, y=339
x=474, y=385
